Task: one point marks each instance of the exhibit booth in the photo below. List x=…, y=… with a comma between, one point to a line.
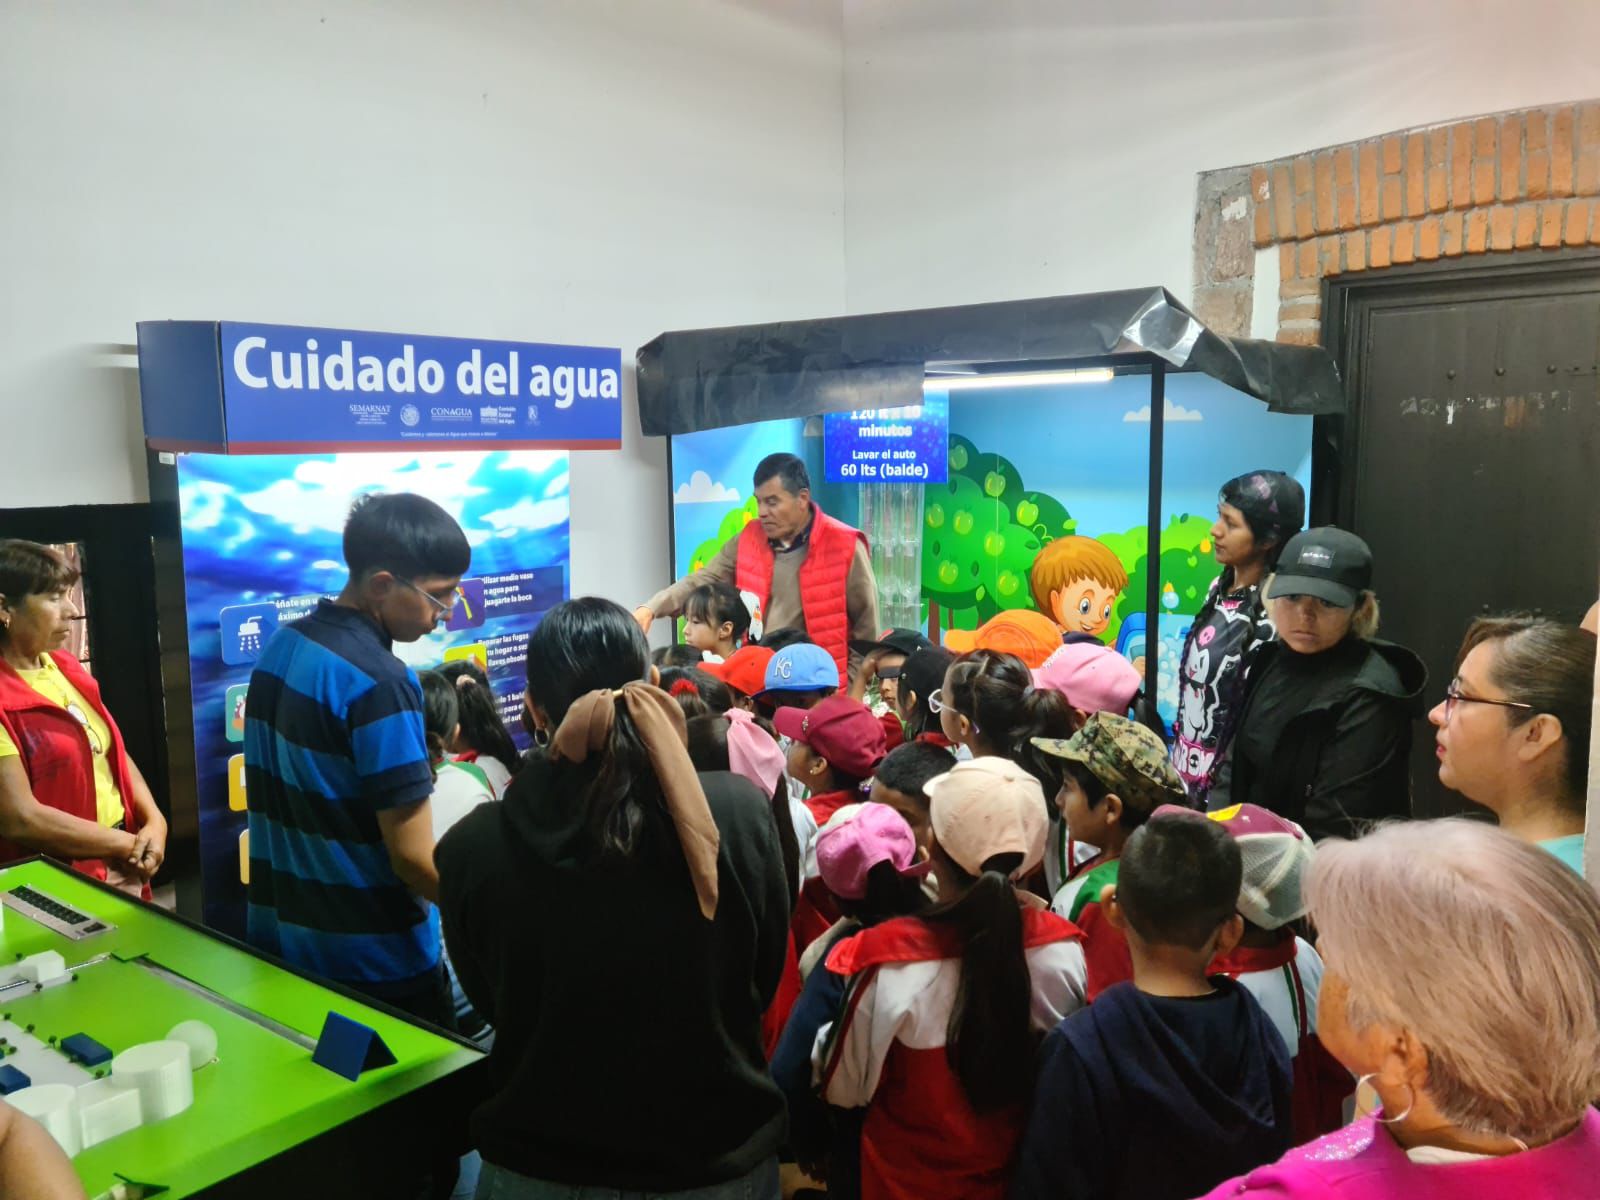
x=260, y=437
x=966, y=442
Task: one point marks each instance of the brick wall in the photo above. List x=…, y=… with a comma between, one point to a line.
x=1515, y=181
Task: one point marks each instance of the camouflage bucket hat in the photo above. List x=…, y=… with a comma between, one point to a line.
x=1123, y=755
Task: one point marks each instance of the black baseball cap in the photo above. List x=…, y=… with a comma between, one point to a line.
x=1330, y=564
x=897, y=641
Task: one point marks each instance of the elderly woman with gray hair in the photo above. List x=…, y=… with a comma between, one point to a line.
x=1463, y=985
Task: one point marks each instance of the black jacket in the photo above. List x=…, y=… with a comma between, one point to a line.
x=628, y=1047
x=1343, y=759
x=1155, y=1098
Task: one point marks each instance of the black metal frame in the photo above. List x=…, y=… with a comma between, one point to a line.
x=1348, y=300
x=705, y=379
x=1122, y=364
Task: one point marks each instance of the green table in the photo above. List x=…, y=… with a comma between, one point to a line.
x=265, y=1117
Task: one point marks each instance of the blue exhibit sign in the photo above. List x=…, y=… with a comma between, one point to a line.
x=276, y=389
x=888, y=445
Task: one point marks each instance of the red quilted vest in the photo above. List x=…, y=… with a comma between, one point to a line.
x=823, y=576
x=55, y=751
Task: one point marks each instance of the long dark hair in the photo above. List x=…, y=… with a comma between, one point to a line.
x=708, y=750
x=481, y=726
x=989, y=1041
x=995, y=692
x=579, y=647
x=696, y=692
x=889, y=894
x=921, y=675
x=440, y=713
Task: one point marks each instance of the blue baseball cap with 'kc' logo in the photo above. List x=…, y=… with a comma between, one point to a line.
x=802, y=667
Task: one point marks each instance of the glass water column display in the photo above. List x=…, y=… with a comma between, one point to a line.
x=891, y=517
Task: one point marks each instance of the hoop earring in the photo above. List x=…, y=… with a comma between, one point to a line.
x=1387, y=1120
x=541, y=738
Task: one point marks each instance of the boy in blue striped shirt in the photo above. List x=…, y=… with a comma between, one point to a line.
x=338, y=771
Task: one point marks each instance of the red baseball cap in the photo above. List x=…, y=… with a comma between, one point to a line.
x=745, y=670
x=840, y=729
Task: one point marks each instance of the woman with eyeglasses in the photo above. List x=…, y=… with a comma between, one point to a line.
x=1514, y=728
x=1324, y=738
x=67, y=785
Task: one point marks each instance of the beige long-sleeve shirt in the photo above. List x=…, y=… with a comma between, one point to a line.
x=785, y=608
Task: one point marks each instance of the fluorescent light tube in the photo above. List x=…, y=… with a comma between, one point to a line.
x=973, y=383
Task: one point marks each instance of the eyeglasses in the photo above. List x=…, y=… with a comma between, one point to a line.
x=443, y=606
x=888, y=672
x=936, y=701
x=1453, y=695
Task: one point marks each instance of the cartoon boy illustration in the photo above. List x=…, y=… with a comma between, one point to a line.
x=1075, y=581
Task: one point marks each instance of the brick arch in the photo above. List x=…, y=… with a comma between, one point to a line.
x=1511, y=181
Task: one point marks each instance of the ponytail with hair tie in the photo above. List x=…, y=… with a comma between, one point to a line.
x=989, y=1039
x=607, y=724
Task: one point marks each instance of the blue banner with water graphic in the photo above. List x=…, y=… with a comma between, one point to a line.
x=262, y=543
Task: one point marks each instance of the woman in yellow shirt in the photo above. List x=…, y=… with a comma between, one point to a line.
x=67, y=785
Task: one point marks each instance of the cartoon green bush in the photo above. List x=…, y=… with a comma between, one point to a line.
x=1187, y=567
x=982, y=531
x=732, y=523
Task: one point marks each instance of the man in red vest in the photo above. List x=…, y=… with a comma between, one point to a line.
x=806, y=570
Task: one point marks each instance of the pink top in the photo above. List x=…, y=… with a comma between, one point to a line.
x=1362, y=1160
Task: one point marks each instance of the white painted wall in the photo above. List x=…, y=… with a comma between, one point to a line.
x=600, y=170
x=1015, y=148
x=590, y=171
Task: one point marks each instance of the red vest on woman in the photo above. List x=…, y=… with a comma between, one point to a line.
x=823, y=577
x=55, y=751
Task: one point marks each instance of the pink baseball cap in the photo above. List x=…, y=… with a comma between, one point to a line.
x=839, y=729
x=847, y=850
x=1092, y=677
x=984, y=807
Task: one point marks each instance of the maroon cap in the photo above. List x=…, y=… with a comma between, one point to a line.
x=840, y=729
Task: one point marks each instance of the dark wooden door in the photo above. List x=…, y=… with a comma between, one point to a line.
x=1471, y=456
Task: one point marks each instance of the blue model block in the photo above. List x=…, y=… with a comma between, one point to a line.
x=85, y=1049
x=348, y=1047
x=12, y=1080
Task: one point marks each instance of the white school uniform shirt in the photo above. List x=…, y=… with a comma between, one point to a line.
x=496, y=772
x=911, y=1002
x=456, y=792
x=1275, y=991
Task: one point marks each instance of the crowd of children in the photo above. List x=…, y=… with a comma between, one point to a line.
x=950, y=928
x=973, y=864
